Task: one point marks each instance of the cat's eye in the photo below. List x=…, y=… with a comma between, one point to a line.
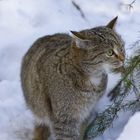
x=110, y=52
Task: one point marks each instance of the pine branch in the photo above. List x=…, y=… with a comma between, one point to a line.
x=79, y=9
x=131, y=105
x=129, y=6
x=105, y=119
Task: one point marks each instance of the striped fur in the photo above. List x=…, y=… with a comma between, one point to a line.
x=62, y=81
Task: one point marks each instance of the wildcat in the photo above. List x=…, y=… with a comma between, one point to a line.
x=63, y=77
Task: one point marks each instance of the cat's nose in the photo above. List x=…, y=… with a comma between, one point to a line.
x=121, y=63
x=121, y=57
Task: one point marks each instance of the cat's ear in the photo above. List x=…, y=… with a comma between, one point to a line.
x=78, y=35
x=79, y=39
x=112, y=23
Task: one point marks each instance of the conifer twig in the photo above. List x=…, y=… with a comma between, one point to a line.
x=79, y=9
x=105, y=119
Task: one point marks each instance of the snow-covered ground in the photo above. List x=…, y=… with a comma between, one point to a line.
x=132, y=129
x=23, y=21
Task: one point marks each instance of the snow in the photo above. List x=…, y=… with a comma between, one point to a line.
x=22, y=22
x=131, y=130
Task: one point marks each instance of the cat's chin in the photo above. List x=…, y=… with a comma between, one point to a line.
x=110, y=68
x=118, y=65
x=107, y=68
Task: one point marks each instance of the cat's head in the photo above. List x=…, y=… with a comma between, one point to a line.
x=102, y=46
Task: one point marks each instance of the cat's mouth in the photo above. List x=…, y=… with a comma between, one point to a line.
x=118, y=64
x=110, y=67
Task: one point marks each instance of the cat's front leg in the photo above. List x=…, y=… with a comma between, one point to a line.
x=67, y=130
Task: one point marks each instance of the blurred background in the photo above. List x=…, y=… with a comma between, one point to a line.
x=23, y=21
